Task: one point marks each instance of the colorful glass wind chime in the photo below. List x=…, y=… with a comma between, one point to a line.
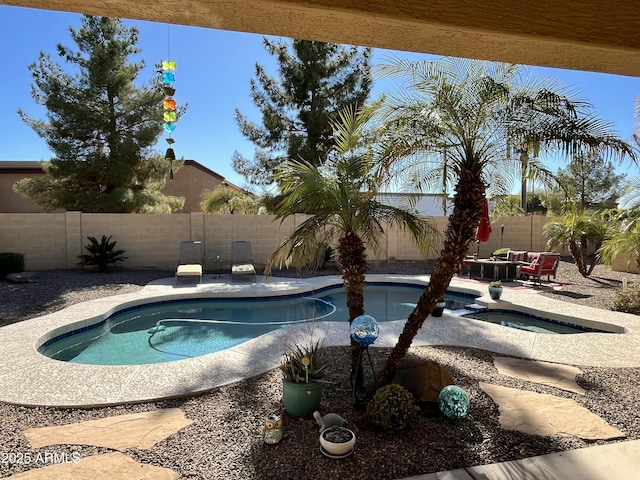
x=169, y=105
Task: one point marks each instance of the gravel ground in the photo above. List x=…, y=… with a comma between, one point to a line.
x=224, y=441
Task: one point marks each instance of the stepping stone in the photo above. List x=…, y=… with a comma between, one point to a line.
x=547, y=415
x=552, y=374
x=136, y=430
x=110, y=466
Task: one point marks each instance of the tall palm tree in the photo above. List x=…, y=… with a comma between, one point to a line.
x=340, y=199
x=480, y=113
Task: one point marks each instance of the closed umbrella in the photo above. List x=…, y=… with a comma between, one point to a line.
x=484, y=228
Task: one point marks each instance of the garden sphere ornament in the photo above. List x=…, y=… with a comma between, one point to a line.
x=364, y=330
x=453, y=402
x=272, y=430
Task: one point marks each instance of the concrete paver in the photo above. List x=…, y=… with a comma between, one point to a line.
x=606, y=462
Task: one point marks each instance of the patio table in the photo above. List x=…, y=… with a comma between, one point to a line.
x=493, y=269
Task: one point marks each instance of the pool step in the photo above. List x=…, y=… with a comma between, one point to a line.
x=474, y=307
x=469, y=309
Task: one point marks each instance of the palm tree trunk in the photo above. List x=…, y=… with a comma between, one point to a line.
x=579, y=253
x=457, y=240
x=353, y=265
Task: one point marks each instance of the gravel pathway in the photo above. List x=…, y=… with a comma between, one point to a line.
x=224, y=441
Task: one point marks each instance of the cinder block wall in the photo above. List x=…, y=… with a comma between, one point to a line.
x=41, y=237
x=54, y=240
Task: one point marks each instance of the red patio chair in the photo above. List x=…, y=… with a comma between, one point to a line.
x=543, y=264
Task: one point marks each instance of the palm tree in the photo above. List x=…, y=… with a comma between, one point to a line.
x=626, y=241
x=582, y=233
x=340, y=199
x=631, y=198
x=507, y=206
x=479, y=112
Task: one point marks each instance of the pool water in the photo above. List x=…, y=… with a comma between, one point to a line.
x=174, y=330
x=530, y=323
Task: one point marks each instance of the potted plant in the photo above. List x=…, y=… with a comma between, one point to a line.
x=302, y=369
x=337, y=442
x=438, y=308
x=495, y=290
x=501, y=253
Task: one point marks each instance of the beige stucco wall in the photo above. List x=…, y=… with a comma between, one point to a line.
x=54, y=240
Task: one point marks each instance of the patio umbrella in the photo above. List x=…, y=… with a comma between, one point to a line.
x=484, y=228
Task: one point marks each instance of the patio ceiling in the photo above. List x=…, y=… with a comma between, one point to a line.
x=587, y=35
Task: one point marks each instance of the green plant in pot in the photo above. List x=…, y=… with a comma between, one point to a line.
x=495, y=290
x=302, y=369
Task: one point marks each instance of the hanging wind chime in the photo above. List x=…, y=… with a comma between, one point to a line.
x=169, y=105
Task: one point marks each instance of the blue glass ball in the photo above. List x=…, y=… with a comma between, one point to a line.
x=453, y=401
x=364, y=330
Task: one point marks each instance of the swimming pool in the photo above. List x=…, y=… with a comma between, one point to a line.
x=174, y=330
x=529, y=322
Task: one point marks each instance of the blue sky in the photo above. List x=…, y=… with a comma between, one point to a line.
x=214, y=68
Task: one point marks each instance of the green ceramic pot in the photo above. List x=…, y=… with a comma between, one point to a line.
x=438, y=308
x=301, y=399
x=495, y=292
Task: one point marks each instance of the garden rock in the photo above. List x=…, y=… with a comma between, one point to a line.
x=22, y=277
x=423, y=378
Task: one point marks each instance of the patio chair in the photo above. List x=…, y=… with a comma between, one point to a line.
x=542, y=264
x=242, y=260
x=517, y=256
x=190, y=262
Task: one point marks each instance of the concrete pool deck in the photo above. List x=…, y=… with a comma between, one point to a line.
x=29, y=378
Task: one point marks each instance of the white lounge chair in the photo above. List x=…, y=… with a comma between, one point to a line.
x=190, y=263
x=242, y=260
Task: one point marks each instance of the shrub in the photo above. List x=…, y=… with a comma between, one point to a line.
x=392, y=408
x=501, y=252
x=11, y=263
x=627, y=300
x=101, y=253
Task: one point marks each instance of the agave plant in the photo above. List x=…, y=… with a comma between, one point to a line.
x=101, y=253
x=303, y=363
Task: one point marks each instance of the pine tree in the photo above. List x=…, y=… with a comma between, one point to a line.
x=100, y=126
x=591, y=182
x=315, y=81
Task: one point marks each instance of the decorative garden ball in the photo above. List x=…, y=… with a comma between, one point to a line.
x=364, y=330
x=453, y=402
x=272, y=430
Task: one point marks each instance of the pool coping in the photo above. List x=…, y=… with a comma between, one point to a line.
x=29, y=378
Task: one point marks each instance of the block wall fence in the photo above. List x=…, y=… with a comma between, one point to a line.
x=55, y=240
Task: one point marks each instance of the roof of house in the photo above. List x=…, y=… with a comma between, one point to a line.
x=35, y=166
